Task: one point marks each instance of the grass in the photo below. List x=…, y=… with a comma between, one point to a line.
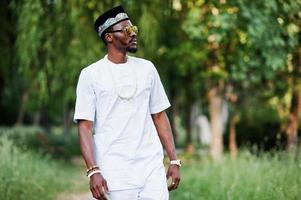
x=248, y=177
x=27, y=175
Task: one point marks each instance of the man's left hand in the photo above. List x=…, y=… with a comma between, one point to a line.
x=173, y=172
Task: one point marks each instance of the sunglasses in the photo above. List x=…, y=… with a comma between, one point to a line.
x=127, y=30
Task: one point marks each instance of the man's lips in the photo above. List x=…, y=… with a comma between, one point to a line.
x=133, y=41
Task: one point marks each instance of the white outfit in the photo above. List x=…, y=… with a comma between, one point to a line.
x=127, y=146
x=153, y=189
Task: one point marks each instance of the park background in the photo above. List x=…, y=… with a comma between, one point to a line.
x=231, y=68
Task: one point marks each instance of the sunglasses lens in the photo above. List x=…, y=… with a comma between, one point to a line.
x=127, y=30
x=130, y=29
x=135, y=29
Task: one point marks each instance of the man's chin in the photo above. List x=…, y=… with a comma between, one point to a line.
x=132, y=49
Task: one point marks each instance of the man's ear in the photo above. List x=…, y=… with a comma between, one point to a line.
x=108, y=37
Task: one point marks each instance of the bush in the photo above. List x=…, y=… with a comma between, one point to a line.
x=24, y=137
x=53, y=142
x=249, y=177
x=28, y=175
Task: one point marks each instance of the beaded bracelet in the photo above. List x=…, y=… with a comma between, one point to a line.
x=94, y=172
x=93, y=169
x=90, y=168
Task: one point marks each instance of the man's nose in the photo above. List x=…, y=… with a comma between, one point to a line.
x=133, y=34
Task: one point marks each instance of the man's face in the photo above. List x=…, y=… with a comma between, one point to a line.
x=122, y=40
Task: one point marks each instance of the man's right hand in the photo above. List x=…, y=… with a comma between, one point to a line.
x=99, y=187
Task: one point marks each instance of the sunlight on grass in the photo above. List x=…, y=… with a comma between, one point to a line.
x=29, y=175
x=249, y=177
x=26, y=175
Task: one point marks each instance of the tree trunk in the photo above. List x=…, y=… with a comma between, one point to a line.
x=187, y=113
x=174, y=115
x=189, y=145
x=68, y=115
x=45, y=119
x=292, y=127
x=232, y=98
x=232, y=136
x=21, y=113
x=37, y=118
x=215, y=110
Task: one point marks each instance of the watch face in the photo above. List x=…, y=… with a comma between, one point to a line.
x=176, y=162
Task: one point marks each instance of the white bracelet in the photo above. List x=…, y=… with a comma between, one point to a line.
x=94, y=172
x=176, y=162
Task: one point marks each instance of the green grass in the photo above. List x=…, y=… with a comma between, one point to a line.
x=248, y=177
x=26, y=175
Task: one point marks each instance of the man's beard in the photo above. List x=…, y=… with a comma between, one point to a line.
x=132, y=49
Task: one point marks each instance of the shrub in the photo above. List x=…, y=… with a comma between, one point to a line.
x=27, y=175
x=53, y=142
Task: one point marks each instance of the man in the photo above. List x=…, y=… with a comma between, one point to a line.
x=121, y=99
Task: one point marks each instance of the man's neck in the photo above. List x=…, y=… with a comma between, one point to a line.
x=117, y=57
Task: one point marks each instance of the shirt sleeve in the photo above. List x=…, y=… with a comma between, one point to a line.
x=85, y=105
x=158, y=97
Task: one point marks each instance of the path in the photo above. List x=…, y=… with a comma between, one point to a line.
x=80, y=196
x=84, y=196
x=77, y=183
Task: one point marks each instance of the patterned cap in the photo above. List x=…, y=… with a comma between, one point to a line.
x=109, y=18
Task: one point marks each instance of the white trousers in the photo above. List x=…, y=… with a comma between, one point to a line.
x=155, y=188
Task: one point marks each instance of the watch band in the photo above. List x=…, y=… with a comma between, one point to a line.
x=176, y=162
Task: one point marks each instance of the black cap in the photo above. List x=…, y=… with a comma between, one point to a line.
x=109, y=18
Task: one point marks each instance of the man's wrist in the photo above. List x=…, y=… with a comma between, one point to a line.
x=92, y=168
x=93, y=172
x=175, y=162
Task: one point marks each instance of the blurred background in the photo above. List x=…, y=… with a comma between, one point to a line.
x=231, y=69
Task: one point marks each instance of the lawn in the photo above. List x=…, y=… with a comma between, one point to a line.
x=26, y=174
x=276, y=176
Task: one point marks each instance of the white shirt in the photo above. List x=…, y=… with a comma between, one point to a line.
x=127, y=146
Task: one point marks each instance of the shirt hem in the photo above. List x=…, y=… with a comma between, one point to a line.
x=160, y=108
x=82, y=116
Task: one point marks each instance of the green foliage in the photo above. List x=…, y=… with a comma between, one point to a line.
x=26, y=175
x=149, y=27
x=49, y=53
x=63, y=146
x=23, y=137
x=258, y=130
x=195, y=45
x=54, y=143
x=248, y=177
